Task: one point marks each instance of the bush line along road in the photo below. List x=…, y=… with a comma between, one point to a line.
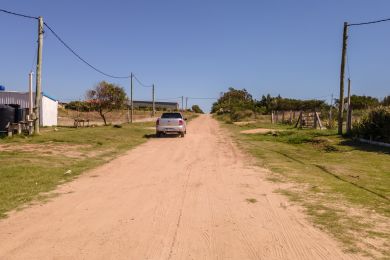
x=197, y=197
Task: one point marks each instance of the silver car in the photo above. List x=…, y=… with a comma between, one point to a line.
x=172, y=122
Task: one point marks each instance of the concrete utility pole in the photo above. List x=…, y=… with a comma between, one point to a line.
x=182, y=103
x=154, y=104
x=342, y=73
x=349, y=114
x=330, y=112
x=38, y=91
x=131, y=98
x=186, y=102
x=30, y=91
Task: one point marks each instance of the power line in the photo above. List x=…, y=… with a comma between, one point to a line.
x=67, y=46
x=372, y=22
x=80, y=58
x=142, y=84
x=17, y=14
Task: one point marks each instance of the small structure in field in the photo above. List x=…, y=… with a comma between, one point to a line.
x=309, y=120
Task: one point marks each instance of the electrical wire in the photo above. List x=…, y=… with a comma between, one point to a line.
x=17, y=14
x=372, y=22
x=82, y=59
x=143, y=85
x=66, y=45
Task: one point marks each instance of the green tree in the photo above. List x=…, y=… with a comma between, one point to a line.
x=386, y=101
x=197, y=109
x=233, y=100
x=362, y=102
x=106, y=97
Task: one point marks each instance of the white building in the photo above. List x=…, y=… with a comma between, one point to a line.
x=49, y=105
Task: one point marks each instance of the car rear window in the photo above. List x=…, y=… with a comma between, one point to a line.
x=171, y=115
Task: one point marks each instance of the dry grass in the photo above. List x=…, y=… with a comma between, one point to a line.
x=344, y=186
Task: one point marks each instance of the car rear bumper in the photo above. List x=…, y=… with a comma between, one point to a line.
x=170, y=129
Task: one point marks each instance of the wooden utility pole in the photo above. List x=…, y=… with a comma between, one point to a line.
x=342, y=73
x=131, y=98
x=38, y=91
x=154, y=104
x=349, y=114
x=182, y=103
x=186, y=102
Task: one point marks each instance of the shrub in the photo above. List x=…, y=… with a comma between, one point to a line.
x=239, y=115
x=375, y=125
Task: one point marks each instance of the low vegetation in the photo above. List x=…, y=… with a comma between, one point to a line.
x=30, y=166
x=344, y=186
x=197, y=109
x=375, y=125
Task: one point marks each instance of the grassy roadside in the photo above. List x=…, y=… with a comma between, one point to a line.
x=343, y=186
x=30, y=166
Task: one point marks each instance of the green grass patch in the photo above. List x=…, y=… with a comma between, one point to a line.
x=31, y=165
x=343, y=185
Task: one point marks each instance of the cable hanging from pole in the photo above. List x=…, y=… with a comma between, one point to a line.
x=142, y=84
x=80, y=58
x=66, y=45
x=17, y=14
x=372, y=22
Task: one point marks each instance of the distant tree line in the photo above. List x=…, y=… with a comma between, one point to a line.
x=235, y=100
x=239, y=103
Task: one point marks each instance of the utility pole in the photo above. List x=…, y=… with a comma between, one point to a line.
x=30, y=91
x=131, y=98
x=182, y=103
x=38, y=91
x=31, y=104
x=330, y=112
x=154, y=104
x=186, y=102
x=349, y=114
x=342, y=73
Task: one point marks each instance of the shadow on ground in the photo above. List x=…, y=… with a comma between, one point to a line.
x=365, y=147
x=163, y=136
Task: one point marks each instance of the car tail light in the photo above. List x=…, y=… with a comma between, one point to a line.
x=158, y=122
x=180, y=122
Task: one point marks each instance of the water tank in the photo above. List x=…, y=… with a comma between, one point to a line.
x=20, y=114
x=7, y=115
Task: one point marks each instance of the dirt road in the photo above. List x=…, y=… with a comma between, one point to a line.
x=171, y=198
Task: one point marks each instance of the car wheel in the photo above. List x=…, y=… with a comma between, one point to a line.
x=158, y=134
x=182, y=134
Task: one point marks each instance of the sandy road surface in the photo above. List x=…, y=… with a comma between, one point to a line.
x=171, y=198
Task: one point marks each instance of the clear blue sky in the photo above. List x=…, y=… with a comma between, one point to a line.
x=199, y=48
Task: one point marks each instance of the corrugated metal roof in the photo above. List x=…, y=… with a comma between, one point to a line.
x=19, y=98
